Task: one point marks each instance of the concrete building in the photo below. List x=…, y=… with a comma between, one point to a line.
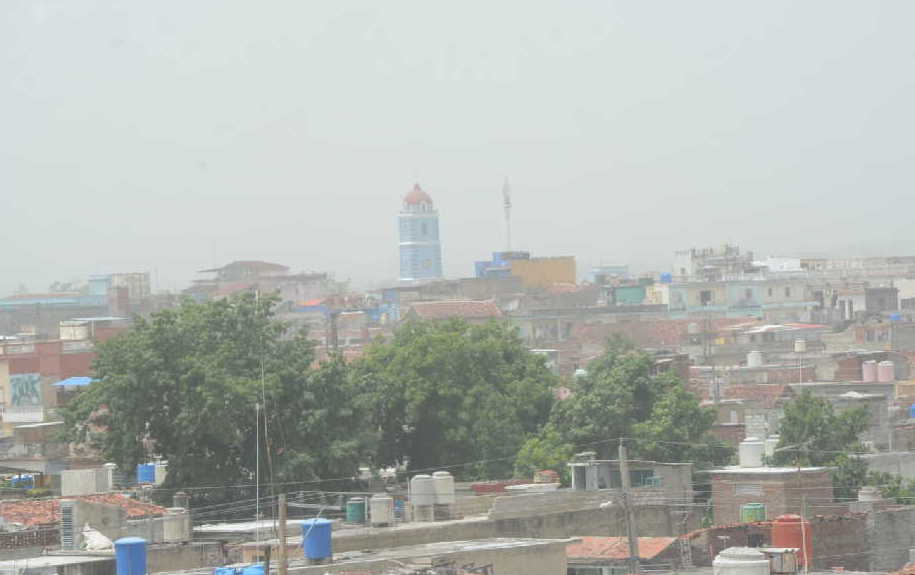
x=420, y=247
x=650, y=480
x=780, y=489
x=712, y=264
x=533, y=272
x=471, y=311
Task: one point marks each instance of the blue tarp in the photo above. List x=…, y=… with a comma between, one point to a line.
x=74, y=382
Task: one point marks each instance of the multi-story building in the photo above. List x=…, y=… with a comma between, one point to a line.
x=420, y=248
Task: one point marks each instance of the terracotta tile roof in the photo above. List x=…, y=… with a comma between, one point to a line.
x=35, y=512
x=616, y=547
x=767, y=395
x=465, y=309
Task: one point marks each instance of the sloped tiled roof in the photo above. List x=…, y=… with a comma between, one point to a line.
x=464, y=309
x=616, y=547
x=35, y=512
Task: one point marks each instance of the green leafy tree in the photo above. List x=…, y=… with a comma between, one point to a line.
x=678, y=430
x=622, y=396
x=848, y=475
x=812, y=433
x=185, y=385
x=544, y=451
x=449, y=392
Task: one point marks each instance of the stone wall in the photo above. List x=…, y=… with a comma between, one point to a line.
x=891, y=533
x=179, y=557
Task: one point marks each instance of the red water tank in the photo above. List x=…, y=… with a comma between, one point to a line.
x=793, y=531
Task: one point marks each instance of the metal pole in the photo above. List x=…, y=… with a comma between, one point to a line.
x=281, y=512
x=631, y=528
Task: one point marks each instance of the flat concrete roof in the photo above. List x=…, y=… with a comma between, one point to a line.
x=53, y=561
x=735, y=470
x=344, y=531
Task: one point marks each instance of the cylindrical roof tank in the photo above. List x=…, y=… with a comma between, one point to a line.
x=740, y=561
x=750, y=452
x=316, y=538
x=886, y=372
x=422, y=490
x=355, y=510
x=444, y=487
x=146, y=473
x=869, y=371
x=381, y=507
x=793, y=531
x=130, y=556
x=754, y=359
x=869, y=493
x=771, y=445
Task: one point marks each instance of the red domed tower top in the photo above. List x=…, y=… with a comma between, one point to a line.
x=417, y=196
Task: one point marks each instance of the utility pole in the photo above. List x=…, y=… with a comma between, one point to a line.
x=631, y=528
x=281, y=548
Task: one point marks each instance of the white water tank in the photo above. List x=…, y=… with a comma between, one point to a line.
x=800, y=346
x=444, y=487
x=754, y=359
x=740, y=561
x=869, y=371
x=161, y=471
x=381, y=509
x=750, y=452
x=886, y=372
x=869, y=493
x=771, y=444
x=422, y=497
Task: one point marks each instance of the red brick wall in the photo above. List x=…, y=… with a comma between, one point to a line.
x=781, y=493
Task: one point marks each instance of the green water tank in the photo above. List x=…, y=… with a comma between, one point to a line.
x=355, y=510
x=752, y=512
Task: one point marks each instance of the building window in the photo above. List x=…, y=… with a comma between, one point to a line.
x=787, y=291
x=770, y=292
x=748, y=489
x=425, y=229
x=748, y=294
x=705, y=297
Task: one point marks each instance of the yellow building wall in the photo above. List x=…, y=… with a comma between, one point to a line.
x=542, y=272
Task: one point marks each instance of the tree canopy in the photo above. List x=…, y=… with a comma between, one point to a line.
x=449, y=392
x=185, y=385
x=621, y=396
x=812, y=433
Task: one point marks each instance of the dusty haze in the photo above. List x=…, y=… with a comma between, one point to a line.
x=172, y=136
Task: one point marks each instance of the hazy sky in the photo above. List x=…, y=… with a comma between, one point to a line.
x=173, y=136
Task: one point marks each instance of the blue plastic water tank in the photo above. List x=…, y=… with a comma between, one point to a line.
x=316, y=539
x=667, y=278
x=146, y=473
x=912, y=411
x=130, y=555
x=256, y=569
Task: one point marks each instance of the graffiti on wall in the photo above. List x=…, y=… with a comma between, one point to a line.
x=25, y=389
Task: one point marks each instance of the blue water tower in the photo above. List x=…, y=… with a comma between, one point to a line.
x=316, y=539
x=130, y=556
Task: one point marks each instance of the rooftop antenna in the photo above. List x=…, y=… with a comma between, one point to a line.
x=507, y=206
